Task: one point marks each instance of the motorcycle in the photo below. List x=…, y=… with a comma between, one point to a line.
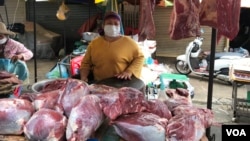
x=197, y=61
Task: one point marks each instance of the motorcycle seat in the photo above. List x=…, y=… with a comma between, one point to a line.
x=225, y=55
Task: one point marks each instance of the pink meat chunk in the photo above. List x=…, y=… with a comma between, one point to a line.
x=184, y=20
x=189, y=123
x=205, y=115
x=111, y=105
x=46, y=124
x=228, y=18
x=101, y=89
x=72, y=94
x=84, y=119
x=54, y=85
x=126, y=100
x=46, y=100
x=208, y=13
x=141, y=127
x=177, y=97
x=14, y=114
x=146, y=20
x=185, y=128
x=159, y=108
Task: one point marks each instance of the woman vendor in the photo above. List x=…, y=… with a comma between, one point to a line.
x=112, y=54
x=13, y=50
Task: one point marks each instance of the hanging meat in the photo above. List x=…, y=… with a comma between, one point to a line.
x=208, y=13
x=146, y=21
x=184, y=20
x=222, y=15
x=228, y=18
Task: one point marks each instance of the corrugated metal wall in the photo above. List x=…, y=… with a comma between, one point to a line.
x=172, y=48
x=15, y=11
x=46, y=17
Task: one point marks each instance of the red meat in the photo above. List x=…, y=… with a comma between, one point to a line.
x=141, y=127
x=46, y=124
x=228, y=18
x=159, y=108
x=84, y=119
x=126, y=100
x=184, y=20
x=14, y=114
x=46, y=100
x=72, y=94
x=208, y=13
x=146, y=20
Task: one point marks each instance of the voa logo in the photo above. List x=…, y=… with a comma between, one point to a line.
x=236, y=132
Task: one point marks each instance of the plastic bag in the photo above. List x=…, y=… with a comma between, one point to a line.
x=18, y=68
x=58, y=71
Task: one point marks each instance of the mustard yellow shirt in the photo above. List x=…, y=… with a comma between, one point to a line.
x=107, y=59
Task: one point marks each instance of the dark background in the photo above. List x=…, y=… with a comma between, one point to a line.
x=243, y=37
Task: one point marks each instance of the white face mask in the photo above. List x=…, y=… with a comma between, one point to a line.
x=112, y=30
x=2, y=41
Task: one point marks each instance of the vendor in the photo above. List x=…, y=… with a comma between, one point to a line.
x=11, y=49
x=112, y=54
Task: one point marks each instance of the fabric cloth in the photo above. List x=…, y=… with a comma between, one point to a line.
x=13, y=47
x=18, y=68
x=110, y=58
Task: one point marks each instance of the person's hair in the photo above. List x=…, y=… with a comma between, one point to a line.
x=112, y=14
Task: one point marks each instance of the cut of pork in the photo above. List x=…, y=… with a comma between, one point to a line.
x=46, y=125
x=159, y=108
x=208, y=13
x=101, y=89
x=228, y=18
x=72, y=94
x=126, y=100
x=14, y=113
x=184, y=20
x=84, y=119
x=47, y=100
x=141, y=127
x=146, y=20
x=189, y=123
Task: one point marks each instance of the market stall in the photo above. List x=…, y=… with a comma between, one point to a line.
x=239, y=74
x=60, y=104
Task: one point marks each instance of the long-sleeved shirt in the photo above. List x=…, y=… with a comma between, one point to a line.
x=107, y=59
x=13, y=47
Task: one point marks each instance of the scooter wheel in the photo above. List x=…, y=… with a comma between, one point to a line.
x=182, y=67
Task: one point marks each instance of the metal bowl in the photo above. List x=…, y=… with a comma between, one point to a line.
x=38, y=86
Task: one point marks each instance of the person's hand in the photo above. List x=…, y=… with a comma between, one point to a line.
x=124, y=75
x=16, y=57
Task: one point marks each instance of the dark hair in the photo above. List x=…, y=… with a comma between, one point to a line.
x=112, y=14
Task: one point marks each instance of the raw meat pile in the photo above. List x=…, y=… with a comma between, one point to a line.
x=77, y=110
